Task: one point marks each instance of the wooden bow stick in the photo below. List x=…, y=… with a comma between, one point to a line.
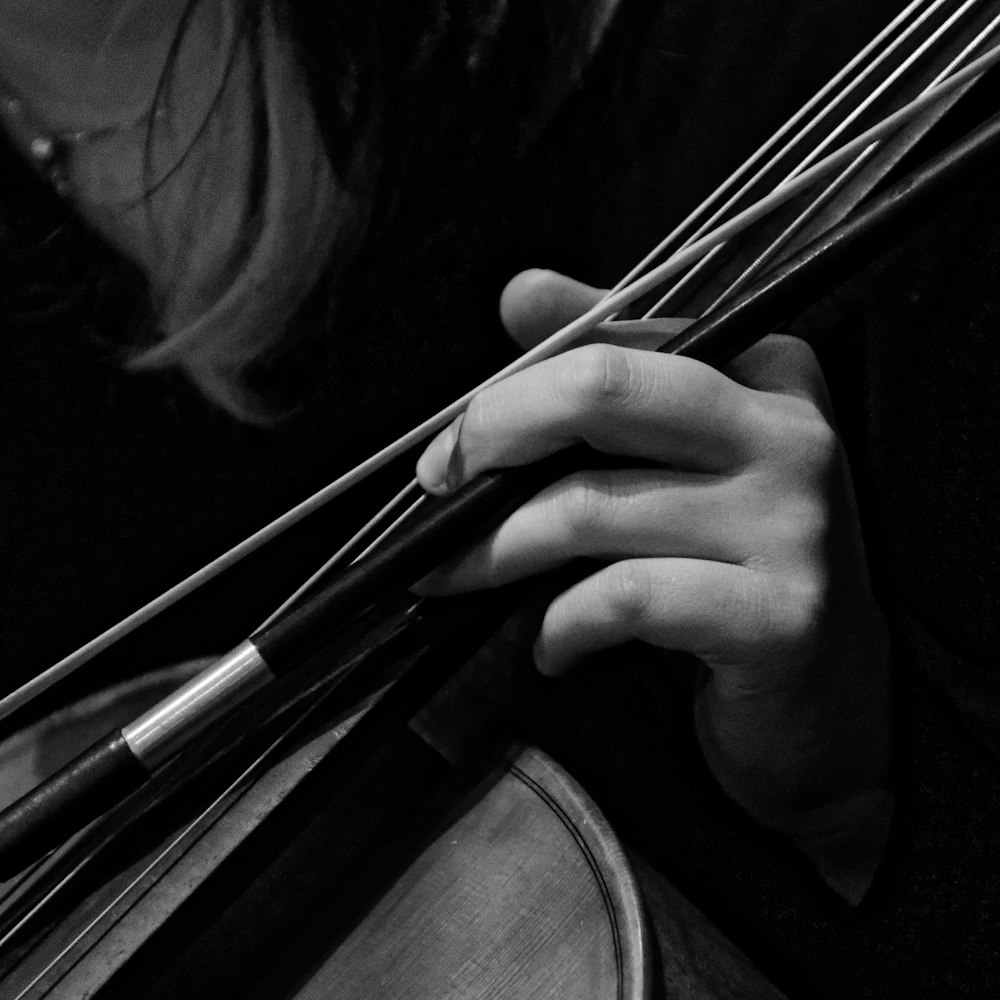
x=124, y=760
x=755, y=309
x=604, y=311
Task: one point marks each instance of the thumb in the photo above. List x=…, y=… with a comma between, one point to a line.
x=536, y=303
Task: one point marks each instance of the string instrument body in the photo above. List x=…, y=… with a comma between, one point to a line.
x=319, y=840
x=374, y=859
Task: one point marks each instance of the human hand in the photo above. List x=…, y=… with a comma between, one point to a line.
x=741, y=546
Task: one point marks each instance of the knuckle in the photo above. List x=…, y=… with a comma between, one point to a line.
x=707, y=384
x=628, y=591
x=601, y=376
x=820, y=464
x=796, y=483
x=819, y=443
x=789, y=611
x=800, y=524
x=793, y=349
x=583, y=508
x=804, y=444
x=797, y=609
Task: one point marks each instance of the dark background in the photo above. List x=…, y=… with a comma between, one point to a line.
x=114, y=486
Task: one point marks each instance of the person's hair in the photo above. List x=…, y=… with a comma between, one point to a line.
x=331, y=120
x=254, y=224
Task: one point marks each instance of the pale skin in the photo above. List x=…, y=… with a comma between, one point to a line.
x=741, y=546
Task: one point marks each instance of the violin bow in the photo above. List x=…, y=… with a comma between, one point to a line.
x=124, y=760
x=727, y=331
x=825, y=209
x=752, y=308
x=822, y=106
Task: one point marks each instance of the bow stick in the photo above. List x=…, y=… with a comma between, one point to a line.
x=605, y=310
x=124, y=760
x=953, y=84
x=675, y=345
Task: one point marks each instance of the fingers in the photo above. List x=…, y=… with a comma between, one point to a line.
x=716, y=548
x=620, y=401
x=536, y=303
x=609, y=514
x=656, y=407
x=718, y=612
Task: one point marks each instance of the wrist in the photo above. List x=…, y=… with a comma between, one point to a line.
x=810, y=760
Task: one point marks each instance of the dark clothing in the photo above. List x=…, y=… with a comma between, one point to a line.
x=115, y=486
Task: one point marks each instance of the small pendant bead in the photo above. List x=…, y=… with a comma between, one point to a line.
x=43, y=149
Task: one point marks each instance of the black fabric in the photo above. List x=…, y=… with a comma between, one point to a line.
x=115, y=486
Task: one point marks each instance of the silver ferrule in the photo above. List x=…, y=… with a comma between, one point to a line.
x=166, y=727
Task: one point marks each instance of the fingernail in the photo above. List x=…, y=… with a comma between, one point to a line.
x=439, y=467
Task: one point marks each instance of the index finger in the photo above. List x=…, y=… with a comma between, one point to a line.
x=636, y=404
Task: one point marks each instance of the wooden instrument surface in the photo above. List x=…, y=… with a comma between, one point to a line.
x=338, y=974
x=522, y=890
x=526, y=894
